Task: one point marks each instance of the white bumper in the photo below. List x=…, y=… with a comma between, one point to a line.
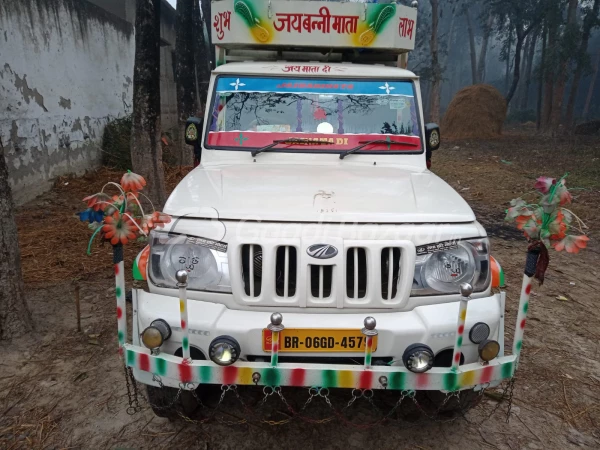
x=433, y=325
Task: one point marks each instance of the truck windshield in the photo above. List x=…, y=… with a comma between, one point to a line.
x=251, y=112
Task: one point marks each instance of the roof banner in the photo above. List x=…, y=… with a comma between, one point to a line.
x=313, y=24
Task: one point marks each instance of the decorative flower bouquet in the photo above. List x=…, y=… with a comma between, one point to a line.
x=120, y=218
x=548, y=223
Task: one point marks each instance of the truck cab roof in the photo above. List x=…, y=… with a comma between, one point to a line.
x=298, y=69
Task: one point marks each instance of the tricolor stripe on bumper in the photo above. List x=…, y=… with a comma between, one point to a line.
x=174, y=372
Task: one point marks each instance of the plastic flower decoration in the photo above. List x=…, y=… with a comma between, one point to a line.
x=548, y=223
x=97, y=201
x=132, y=182
x=119, y=229
x=120, y=218
x=154, y=220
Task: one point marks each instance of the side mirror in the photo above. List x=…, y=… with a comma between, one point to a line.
x=193, y=136
x=432, y=136
x=193, y=133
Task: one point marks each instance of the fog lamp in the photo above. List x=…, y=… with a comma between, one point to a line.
x=488, y=350
x=224, y=350
x=479, y=332
x=158, y=332
x=418, y=358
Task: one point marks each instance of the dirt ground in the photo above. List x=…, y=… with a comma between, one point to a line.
x=60, y=388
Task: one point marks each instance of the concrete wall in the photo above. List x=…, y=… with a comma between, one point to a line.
x=125, y=9
x=66, y=69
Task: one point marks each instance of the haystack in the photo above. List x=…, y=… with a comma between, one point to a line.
x=475, y=112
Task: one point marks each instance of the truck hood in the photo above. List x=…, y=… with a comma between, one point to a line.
x=303, y=193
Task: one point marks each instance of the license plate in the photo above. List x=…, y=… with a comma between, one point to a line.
x=310, y=340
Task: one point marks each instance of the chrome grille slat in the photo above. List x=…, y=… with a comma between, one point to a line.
x=321, y=282
x=390, y=272
x=286, y=274
x=251, y=269
x=355, y=272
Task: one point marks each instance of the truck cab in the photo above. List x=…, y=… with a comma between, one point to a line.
x=313, y=236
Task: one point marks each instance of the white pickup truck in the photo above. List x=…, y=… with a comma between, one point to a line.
x=313, y=246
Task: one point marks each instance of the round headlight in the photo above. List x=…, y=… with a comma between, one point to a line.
x=418, y=358
x=157, y=333
x=445, y=270
x=199, y=262
x=152, y=338
x=488, y=350
x=224, y=350
x=479, y=332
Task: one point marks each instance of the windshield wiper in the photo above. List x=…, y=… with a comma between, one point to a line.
x=289, y=141
x=377, y=141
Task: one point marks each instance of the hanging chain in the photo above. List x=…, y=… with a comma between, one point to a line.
x=132, y=392
x=313, y=392
x=511, y=389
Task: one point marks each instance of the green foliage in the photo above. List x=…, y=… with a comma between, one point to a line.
x=116, y=143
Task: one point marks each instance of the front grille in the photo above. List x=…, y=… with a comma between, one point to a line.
x=390, y=272
x=364, y=274
x=286, y=271
x=252, y=263
x=321, y=279
x=356, y=273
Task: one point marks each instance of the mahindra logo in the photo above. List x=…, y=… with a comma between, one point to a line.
x=322, y=251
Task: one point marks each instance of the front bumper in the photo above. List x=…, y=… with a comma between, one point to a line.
x=434, y=325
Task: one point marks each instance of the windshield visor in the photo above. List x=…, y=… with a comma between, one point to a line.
x=251, y=112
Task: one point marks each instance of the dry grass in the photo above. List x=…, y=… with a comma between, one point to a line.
x=53, y=241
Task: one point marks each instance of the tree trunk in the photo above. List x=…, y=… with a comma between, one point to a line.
x=508, y=46
x=520, y=95
x=15, y=319
x=202, y=59
x=434, y=99
x=588, y=100
x=446, y=88
x=185, y=74
x=207, y=17
x=529, y=68
x=517, y=66
x=146, y=149
x=548, y=78
x=561, y=79
x=588, y=23
x=538, y=120
x=472, y=48
x=484, y=48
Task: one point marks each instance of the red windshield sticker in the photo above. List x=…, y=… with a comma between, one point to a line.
x=257, y=139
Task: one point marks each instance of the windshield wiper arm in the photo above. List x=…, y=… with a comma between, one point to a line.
x=377, y=141
x=289, y=141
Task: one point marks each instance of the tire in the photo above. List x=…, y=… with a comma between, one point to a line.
x=468, y=399
x=164, y=402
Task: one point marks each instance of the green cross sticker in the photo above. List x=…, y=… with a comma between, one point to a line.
x=241, y=139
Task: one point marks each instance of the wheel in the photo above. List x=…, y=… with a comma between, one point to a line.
x=468, y=399
x=164, y=401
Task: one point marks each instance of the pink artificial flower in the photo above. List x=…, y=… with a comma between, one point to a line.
x=154, y=220
x=132, y=182
x=118, y=229
x=543, y=184
x=97, y=201
x=563, y=194
x=572, y=244
x=529, y=227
